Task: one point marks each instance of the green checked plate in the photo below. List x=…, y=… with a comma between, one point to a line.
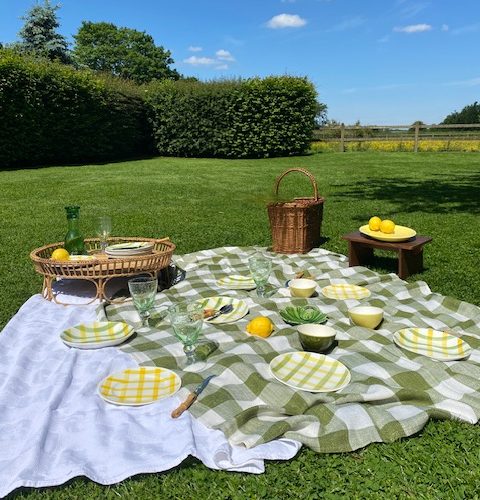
x=346, y=291
x=237, y=282
x=309, y=371
x=240, y=309
x=97, y=334
x=432, y=343
x=298, y=315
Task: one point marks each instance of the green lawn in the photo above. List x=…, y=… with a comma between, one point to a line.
x=203, y=203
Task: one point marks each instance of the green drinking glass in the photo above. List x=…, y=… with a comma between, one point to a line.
x=186, y=319
x=260, y=269
x=143, y=291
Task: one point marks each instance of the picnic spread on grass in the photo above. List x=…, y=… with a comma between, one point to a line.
x=249, y=355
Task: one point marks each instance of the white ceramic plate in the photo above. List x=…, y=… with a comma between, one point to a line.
x=237, y=282
x=345, y=291
x=131, y=245
x=97, y=334
x=309, y=371
x=432, y=343
x=240, y=309
x=139, y=386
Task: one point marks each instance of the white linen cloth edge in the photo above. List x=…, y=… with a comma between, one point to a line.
x=54, y=435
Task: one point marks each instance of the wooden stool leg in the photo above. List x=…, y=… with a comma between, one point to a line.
x=359, y=255
x=409, y=262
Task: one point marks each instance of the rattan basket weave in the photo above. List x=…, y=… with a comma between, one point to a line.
x=101, y=269
x=296, y=224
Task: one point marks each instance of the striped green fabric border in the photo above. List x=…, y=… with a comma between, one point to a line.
x=392, y=393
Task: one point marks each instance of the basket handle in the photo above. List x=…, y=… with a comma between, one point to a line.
x=303, y=171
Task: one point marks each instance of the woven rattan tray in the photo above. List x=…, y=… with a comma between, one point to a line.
x=101, y=269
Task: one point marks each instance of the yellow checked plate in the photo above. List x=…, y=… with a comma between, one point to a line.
x=97, y=334
x=237, y=282
x=343, y=292
x=240, y=309
x=401, y=233
x=309, y=371
x=432, y=343
x=139, y=386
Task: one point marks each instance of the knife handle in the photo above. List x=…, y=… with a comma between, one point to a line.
x=185, y=405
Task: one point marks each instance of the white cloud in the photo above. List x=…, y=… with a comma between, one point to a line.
x=286, y=21
x=412, y=9
x=222, y=66
x=445, y=27
x=413, y=28
x=348, y=24
x=194, y=48
x=471, y=28
x=199, y=61
x=224, y=55
x=472, y=82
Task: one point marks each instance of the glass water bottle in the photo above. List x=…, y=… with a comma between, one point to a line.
x=74, y=243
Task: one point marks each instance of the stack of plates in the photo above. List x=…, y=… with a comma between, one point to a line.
x=129, y=249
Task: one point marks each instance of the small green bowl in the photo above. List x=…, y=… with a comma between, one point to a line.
x=299, y=315
x=316, y=338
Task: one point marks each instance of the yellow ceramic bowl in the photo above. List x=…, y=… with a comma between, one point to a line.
x=366, y=316
x=302, y=287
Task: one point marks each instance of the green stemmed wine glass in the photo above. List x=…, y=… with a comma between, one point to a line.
x=260, y=268
x=143, y=291
x=186, y=319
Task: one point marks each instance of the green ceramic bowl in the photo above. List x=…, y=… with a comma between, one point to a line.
x=316, y=338
x=299, y=315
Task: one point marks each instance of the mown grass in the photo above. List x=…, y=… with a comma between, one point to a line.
x=204, y=203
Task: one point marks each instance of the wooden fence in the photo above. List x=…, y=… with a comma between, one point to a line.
x=416, y=132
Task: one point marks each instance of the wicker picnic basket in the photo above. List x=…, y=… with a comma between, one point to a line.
x=296, y=224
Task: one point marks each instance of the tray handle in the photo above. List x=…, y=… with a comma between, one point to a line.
x=303, y=171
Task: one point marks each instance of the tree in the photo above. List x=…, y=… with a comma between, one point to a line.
x=321, y=118
x=39, y=36
x=123, y=52
x=469, y=114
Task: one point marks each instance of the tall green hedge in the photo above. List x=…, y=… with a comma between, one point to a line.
x=252, y=118
x=52, y=113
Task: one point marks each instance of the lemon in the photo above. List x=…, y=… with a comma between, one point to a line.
x=60, y=254
x=374, y=223
x=261, y=326
x=387, y=226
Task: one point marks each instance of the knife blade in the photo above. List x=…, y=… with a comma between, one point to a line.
x=191, y=397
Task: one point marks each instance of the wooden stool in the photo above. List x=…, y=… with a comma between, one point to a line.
x=410, y=253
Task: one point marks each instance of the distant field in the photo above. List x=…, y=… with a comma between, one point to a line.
x=399, y=145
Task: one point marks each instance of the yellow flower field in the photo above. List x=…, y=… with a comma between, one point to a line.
x=400, y=145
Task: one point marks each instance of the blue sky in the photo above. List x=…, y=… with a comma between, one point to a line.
x=377, y=61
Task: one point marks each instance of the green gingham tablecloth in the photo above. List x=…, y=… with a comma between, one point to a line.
x=392, y=393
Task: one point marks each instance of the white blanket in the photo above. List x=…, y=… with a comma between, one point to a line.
x=54, y=426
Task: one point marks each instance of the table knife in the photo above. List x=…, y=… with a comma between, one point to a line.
x=191, y=397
